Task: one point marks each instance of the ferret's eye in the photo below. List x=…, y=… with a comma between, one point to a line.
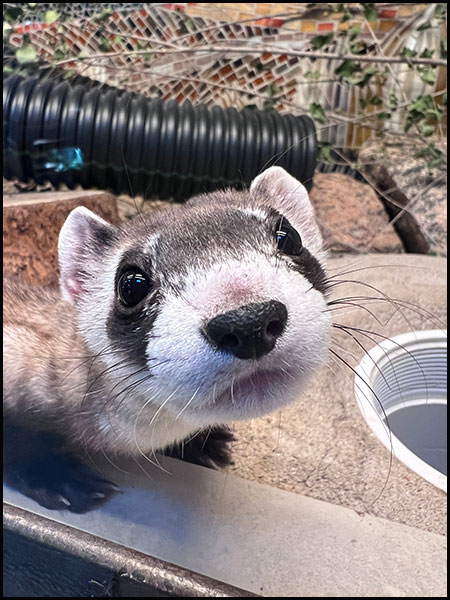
x=288, y=240
x=133, y=286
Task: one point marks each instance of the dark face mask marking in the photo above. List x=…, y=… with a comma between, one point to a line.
x=310, y=268
x=289, y=242
x=135, y=306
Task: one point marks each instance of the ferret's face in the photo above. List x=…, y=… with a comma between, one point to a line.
x=216, y=307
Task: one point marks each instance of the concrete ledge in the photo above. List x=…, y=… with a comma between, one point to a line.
x=247, y=535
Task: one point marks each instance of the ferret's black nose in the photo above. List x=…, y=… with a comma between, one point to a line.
x=250, y=331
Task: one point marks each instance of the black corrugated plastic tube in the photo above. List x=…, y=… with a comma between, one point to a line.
x=79, y=132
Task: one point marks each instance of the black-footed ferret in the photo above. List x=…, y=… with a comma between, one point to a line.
x=180, y=320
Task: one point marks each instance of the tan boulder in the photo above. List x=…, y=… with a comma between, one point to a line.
x=351, y=217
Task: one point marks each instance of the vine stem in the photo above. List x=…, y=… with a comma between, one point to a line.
x=258, y=49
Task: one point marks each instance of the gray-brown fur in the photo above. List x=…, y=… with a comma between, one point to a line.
x=48, y=369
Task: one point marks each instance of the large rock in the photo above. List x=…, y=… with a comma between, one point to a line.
x=31, y=225
x=414, y=195
x=351, y=217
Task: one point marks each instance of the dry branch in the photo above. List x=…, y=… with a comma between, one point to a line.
x=256, y=49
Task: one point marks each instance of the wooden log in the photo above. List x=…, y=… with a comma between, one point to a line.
x=31, y=225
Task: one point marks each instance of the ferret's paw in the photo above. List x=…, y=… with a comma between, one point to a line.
x=207, y=448
x=60, y=482
x=217, y=447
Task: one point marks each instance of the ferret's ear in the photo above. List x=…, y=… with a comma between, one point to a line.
x=83, y=239
x=290, y=198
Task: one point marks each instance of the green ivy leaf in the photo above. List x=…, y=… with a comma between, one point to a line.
x=428, y=130
x=376, y=100
x=347, y=68
x=355, y=31
x=392, y=101
x=408, y=53
x=443, y=48
x=383, y=115
x=412, y=118
x=364, y=78
x=382, y=77
x=105, y=44
x=438, y=163
x=51, y=16
x=103, y=16
x=435, y=113
x=269, y=105
x=325, y=153
x=436, y=159
x=354, y=80
x=428, y=75
x=272, y=90
x=426, y=53
x=26, y=54
x=319, y=41
x=12, y=14
x=317, y=113
x=370, y=12
x=441, y=9
x=312, y=75
x=415, y=116
x=358, y=47
x=61, y=52
x=422, y=104
x=424, y=26
x=440, y=12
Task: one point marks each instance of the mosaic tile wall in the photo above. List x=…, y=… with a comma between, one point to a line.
x=249, y=78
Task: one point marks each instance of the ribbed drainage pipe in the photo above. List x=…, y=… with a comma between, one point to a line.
x=79, y=132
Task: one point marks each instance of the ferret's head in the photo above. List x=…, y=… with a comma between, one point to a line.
x=217, y=306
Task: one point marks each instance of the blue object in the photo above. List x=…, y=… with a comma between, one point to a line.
x=63, y=159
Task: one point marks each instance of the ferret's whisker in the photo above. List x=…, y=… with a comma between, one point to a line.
x=367, y=333
x=187, y=404
x=355, y=339
x=386, y=424
x=286, y=373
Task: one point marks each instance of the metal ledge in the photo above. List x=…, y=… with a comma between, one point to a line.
x=190, y=531
x=93, y=566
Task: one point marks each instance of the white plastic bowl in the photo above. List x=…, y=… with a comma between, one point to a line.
x=407, y=376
